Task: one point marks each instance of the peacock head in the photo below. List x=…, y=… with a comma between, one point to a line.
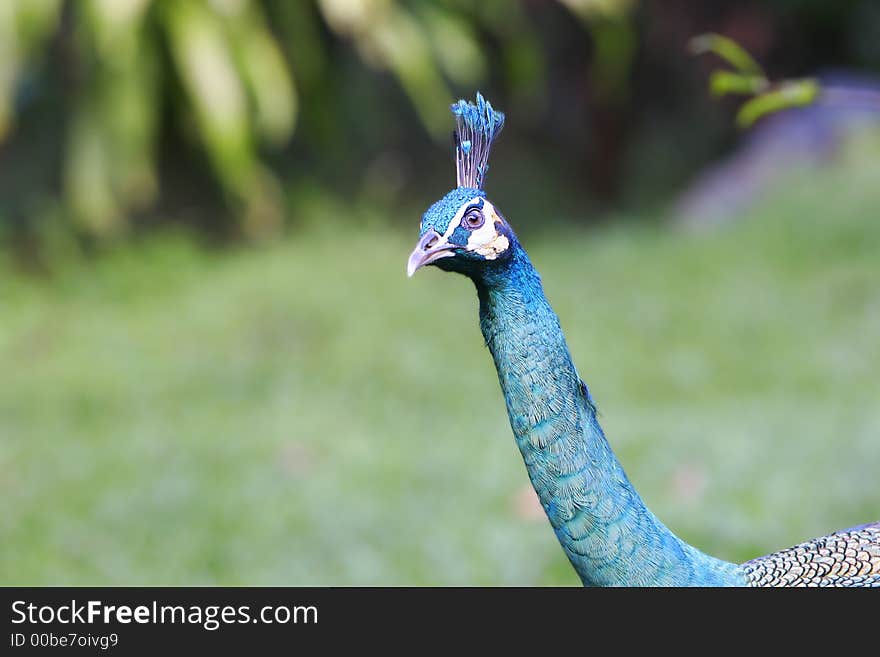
x=463, y=231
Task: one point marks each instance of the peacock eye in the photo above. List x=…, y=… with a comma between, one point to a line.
x=473, y=219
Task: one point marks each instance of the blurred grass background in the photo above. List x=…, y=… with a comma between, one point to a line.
x=178, y=416
x=218, y=373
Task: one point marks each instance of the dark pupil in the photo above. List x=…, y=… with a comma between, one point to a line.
x=474, y=219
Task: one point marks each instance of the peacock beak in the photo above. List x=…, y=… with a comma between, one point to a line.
x=431, y=247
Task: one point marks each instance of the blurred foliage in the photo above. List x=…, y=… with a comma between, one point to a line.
x=236, y=91
x=749, y=79
x=729, y=50
x=227, y=76
x=234, y=114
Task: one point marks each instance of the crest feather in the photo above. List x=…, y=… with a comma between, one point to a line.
x=476, y=127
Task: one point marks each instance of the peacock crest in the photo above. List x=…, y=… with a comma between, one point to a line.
x=476, y=127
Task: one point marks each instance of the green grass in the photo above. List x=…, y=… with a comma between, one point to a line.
x=304, y=414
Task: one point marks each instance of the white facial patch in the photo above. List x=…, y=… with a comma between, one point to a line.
x=488, y=240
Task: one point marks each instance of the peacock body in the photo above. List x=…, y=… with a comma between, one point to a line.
x=610, y=536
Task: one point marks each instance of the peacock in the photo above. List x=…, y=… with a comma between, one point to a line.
x=608, y=534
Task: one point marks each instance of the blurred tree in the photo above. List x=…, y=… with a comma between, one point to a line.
x=236, y=92
x=227, y=76
x=117, y=111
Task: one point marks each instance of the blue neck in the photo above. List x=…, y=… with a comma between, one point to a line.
x=607, y=532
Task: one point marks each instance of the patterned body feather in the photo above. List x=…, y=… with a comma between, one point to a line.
x=850, y=557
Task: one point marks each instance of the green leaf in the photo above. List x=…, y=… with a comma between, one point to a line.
x=465, y=63
x=269, y=82
x=796, y=93
x=202, y=56
x=388, y=36
x=25, y=27
x=728, y=50
x=264, y=72
x=724, y=83
x=88, y=173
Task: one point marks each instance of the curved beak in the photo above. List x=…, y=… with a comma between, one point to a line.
x=431, y=247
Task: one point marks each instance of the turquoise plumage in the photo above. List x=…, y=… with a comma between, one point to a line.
x=610, y=537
